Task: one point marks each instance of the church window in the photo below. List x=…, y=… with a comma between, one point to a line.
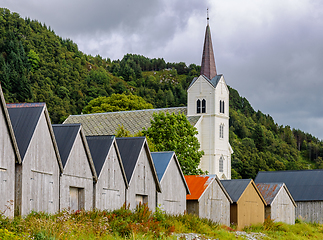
x=203, y=106
x=221, y=106
x=221, y=164
x=198, y=106
x=221, y=130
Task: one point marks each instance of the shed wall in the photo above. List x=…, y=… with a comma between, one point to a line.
x=7, y=170
x=39, y=176
x=142, y=183
x=172, y=199
x=192, y=207
x=311, y=211
x=110, y=189
x=215, y=205
x=250, y=208
x=282, y=209
x=77, y=173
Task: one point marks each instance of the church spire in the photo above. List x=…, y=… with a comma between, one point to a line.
x=208, y=68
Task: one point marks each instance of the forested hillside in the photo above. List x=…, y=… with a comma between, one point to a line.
x=36, y=65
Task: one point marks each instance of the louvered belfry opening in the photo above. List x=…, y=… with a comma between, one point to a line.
x=208, y=68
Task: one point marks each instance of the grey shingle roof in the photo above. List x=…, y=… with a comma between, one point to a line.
x=133, y=121
x=24, y=119
x=99, y=148
x=235, y=187
x=65, y=135
x=304, y=185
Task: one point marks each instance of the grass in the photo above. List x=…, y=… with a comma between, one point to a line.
x=138, y=224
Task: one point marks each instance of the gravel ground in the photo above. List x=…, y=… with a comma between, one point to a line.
x=195, y=236
x=251, y=236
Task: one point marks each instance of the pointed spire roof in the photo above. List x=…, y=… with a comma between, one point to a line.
x=208, y=68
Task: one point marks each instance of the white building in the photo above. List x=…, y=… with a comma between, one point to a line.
x=208, y=97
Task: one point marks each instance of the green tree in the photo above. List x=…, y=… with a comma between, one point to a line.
x=172, y=132
x=116, y=103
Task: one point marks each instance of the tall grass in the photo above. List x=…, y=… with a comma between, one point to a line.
x=123, y=223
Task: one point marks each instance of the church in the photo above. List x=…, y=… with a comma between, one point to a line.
x=207, y=110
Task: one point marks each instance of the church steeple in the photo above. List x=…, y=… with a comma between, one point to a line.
x=208, y=68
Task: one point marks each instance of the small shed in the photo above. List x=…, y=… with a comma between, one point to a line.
x=76, y=181
x=208, y=198
x=172, y=199
x=306, y=188
x=37, y=177
x=9, y=155
x=140, y=172
x=248, y=205
x=280, y=203
x=110, y=188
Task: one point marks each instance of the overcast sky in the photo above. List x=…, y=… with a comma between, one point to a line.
x=271, y=51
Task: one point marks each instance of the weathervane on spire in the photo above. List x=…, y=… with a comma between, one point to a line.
x=207, y=16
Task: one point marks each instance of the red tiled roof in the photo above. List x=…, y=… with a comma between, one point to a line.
x=197, y=185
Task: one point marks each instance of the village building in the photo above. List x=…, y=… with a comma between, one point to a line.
x=37, y=177
x=110, y=188
x=280, y=203
x=248, y=205
x=208, y=198
x=172, y=198
x=76, y=180
x=207, y=110
x=9, y=156
x=306, y=188
x=140, y=172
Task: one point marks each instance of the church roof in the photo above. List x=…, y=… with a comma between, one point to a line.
x=208, y=68
x=133, y=121
x=214, y=81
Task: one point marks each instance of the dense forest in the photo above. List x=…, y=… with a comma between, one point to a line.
x=36, y=65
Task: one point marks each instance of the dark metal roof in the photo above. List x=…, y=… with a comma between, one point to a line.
x=5, y=113
x=304, y=185
x=208, y=68
x=99, y=148
x=161, y=161
x=65, y=135
x=24, y=120
x=130, y=149
x=235, y=187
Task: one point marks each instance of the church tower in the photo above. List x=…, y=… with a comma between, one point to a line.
x=208, y=98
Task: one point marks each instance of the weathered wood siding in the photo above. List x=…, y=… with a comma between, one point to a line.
x=250, y=208
x=282, y=208
x=142, y=183
x=172, y=199
x=215, y=205
x=77, y=174
x=310, y=211
x=110, y=189
x=38, y=177
x=7, y=169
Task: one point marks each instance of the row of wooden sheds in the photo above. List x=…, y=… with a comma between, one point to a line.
x=48, y=168
x=239, y=201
